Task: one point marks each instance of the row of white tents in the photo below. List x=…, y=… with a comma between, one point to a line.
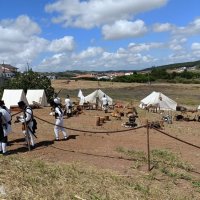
x=11, y=97
x=155, y=98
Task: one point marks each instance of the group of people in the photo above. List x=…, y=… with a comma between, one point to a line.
x=28, y=122
x=67, y=104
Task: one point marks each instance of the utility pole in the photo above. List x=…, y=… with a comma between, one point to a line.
x=27, y=67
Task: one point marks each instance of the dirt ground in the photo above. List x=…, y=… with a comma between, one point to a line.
x=100, y=149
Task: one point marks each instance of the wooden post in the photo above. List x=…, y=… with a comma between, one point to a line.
x=97, y=121
x=148, y=146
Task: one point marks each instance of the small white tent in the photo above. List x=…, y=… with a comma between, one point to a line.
x=157, y=98
x=38, y=96
x=92, y=98
x=13, y=96
x=80, y=94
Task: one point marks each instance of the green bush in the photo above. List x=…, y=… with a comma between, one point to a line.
x=31, y=80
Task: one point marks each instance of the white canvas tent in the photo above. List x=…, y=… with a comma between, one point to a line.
x=157, y=98
x=11, y=97
x=38, y=96
x=97, y=94
x=80, y=94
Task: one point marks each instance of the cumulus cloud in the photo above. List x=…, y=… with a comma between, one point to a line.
x=20, y=39
x=162, y=27
x=90, y=52
x=96, y=58
x=91, y=13
x=124, y=29
x=195, y=46
x=20, y=42
x=144, y=46
x=191, y=29
x=66, y=43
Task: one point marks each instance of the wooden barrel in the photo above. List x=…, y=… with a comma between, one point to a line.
x=107, y=118
x=102, y=120
x=97, y=120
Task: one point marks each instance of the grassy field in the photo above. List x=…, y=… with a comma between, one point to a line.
x=183, y=94
x=36, y=179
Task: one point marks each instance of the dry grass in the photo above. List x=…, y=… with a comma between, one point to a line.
x=35, y=179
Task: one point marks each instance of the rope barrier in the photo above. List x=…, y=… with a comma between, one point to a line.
x=117, y=131
x=16, y=113
x=87, y=131
x=198, y=147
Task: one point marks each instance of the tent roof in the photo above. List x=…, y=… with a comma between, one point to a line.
x=11, y=97
x=36, y=95
x=164, y=102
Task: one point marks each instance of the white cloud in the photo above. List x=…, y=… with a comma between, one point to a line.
x=91, y=13
x=23, y=25
x=124, y=29
x=195, y=46
x=66, y=43
x=191, y=29
x=162, y=27
x=143, y=46
x=90, y=52
x=96, y=58
x=20, y=42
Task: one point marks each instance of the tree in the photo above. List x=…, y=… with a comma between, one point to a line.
x=31, y=80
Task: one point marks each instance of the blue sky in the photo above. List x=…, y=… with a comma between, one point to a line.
x=60, y=35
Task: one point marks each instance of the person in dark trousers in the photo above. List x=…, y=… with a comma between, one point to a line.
x=27, y=120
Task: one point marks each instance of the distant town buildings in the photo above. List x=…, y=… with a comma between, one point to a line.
x=7, y=70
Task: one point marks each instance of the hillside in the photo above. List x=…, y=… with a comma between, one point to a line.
x=177, y=66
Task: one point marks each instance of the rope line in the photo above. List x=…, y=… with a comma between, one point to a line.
x=87, y=131
x=117, y=131
x=16, y=113
x=183, y=141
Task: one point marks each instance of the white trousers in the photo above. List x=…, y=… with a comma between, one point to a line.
x=3, y=147
x=59, y=127
x=31, y=137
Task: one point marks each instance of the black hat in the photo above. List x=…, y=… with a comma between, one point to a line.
x=2, y=102
x=21, y=104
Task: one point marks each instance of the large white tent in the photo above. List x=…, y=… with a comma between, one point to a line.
x=96, y=96
x=11, y=97
x=38, y=96
x=158, y=98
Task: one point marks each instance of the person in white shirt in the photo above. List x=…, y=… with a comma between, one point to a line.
x=5, y=127
x=59, y=120
x=27, y=120
x=68, y=106
x=105, y=103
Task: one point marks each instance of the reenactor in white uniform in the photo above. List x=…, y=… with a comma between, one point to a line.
x=59, y=120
